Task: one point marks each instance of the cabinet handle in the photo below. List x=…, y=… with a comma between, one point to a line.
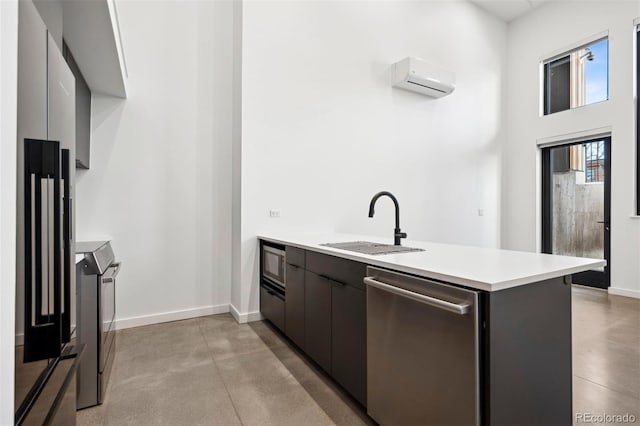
x=332, y=280
x=294, y=266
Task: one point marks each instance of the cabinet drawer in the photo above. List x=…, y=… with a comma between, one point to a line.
x=295, y=256
x=272, y=307
x=343, y=270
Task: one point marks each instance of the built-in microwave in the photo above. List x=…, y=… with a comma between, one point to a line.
x=273, y=264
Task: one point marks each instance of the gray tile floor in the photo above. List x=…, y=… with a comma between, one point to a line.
x=212, y=371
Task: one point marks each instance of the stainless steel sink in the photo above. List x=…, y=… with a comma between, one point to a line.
x=368, y=247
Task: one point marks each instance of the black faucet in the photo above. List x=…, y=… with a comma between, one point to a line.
x=397, y=234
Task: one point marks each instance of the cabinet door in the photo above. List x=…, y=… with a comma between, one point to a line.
x=62, y=99
x=317, y=319
x=295, y=256
x=272, y=306
x=294, y=306
x=349, y=339
x=343, y=270
x=32, y=75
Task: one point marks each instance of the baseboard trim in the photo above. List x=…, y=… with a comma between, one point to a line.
x=243, y=318
x=183, y=314
x=624, y=292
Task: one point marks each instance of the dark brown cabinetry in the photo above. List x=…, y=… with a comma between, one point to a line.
x=317, y=319
x=295, y=256
x=294, y=306
x=348, y=324
x=336, y=329
x=324, y=312
x=349, y=339
x=338, y=269
x=272, y=305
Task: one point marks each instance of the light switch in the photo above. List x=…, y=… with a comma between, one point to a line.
x=274, y=213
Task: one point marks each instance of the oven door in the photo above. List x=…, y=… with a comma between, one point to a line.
x=273, y=264
x=107, y=312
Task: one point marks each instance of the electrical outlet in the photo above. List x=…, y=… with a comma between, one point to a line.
x=480, y=212
x=274, y=213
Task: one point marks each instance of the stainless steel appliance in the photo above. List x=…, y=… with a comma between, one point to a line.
x=273, y=283
x=96, y=274
x=46, y=355
x=273, y=265
x=422, y=351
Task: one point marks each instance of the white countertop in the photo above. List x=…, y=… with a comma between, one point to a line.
x=476, y=267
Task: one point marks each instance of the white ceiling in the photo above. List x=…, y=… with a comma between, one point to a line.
x=508, y=10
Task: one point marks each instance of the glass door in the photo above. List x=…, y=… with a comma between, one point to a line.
x=576, y=201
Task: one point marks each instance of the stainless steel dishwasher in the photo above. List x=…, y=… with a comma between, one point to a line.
x=422, y=351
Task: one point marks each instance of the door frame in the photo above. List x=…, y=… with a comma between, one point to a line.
x=588, y=278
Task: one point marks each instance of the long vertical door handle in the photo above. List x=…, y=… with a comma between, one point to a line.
x=71, y=218
x=67, y=232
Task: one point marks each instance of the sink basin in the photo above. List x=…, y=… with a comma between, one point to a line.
x=367, y=247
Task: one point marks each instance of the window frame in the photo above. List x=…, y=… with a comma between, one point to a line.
x=637, y=62
x=571, y=51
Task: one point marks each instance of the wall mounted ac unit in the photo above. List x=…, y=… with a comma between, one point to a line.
x=416, y=75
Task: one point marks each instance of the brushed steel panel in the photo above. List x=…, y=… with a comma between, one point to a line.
x=422, y=360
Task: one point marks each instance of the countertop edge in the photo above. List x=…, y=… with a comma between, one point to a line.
x=462, y=281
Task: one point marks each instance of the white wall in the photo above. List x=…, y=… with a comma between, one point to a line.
x=159, y=181
x=8, y=110
x=222, y=96
x=322, y=130
x=531, y=38
x=236, y=160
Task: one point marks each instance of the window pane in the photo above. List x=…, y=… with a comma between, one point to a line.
x=596, y=62
x=594, y=162
x=557, y=76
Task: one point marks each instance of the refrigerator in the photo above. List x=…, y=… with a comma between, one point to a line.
x=46, y=354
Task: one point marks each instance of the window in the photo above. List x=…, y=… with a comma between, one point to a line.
x=576, y=78
x=594, y=162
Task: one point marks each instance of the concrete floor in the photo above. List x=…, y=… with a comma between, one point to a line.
x=606, y=353
x=214, y=371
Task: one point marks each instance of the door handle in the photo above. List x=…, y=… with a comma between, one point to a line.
x=460, y=309
x=70, y=218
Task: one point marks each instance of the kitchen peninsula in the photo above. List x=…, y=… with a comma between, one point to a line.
x=444, y=335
